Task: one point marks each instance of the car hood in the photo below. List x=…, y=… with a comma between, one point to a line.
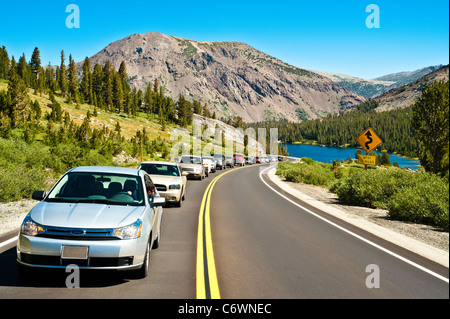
x=166, y=180
x=84, y=215
x=183, y=165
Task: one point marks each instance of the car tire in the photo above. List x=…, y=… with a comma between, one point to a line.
x=157, y=240
x=143, y=271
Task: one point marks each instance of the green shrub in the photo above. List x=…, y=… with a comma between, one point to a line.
x=371, y=188
x=427, y=202
x=408, y=196
x=18, y=182
x=314, y=173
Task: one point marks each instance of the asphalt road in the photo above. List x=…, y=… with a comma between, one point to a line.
x=264, y=247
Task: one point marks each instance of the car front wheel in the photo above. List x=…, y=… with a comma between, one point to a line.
x=143, y=271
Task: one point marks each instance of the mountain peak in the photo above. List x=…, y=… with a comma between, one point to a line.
x=233, y=78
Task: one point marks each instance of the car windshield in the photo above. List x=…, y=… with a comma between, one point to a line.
x=191, y=160
x=160, y=169
x=105, y=188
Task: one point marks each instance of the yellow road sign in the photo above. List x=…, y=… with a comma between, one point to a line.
x=367, y=159
x=369, y=140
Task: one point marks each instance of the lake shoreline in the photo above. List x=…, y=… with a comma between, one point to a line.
x=326, y=154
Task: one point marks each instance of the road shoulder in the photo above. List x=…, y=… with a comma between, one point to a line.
x=419, y=239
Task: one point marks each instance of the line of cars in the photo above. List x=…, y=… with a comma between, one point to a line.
x=107, y=217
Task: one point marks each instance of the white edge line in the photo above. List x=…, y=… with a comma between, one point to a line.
x=355, y=235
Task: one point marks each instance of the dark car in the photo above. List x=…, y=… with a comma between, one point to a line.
x=220, y=160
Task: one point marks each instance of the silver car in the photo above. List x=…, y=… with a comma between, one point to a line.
x=94, y=217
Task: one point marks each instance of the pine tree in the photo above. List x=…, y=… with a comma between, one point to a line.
x=35, y=65
x=148, y=99
x=97, y=84
x=73, y=83
x=4, y=63
x=86, y=89
x=107, y=86
x=117, y=93
x=431, y=123
x=124, y=77
x=19, y=101
x=62, y=76
x=197, y=107
x=184, y=112
x=24, y=71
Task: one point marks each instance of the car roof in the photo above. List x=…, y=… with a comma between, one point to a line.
x=159, y=162
x=106, y=169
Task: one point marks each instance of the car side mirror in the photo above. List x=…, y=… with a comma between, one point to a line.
x=159, y=201
x=185, y=173
x=39, y=195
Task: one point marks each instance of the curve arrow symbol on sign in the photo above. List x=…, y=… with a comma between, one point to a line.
x=369, y=139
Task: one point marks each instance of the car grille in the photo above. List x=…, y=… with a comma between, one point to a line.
x=161, y=188
x=78, y=233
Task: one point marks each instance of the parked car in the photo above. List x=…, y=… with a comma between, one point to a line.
x=238, y=159
x=94, y=217
x=248, y=160
x=220, y=160
x=258, y=160
x=209, y=163
x=192, y=166
x=168, y=179
x=229, y=161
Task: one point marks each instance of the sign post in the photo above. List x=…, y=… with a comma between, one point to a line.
x=368, y=140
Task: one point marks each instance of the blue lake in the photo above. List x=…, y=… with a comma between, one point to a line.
x=328, y=154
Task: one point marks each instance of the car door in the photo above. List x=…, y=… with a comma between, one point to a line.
x=154, y=212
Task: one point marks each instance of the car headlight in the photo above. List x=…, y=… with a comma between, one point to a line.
x=30, y=228
x=132, y=231
x=176, y=186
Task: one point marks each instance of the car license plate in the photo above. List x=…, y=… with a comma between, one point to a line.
x=75, y=252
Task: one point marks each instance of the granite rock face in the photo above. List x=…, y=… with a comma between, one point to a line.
x=233, y=78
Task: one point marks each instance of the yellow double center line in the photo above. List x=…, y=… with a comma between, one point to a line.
x=207, y=284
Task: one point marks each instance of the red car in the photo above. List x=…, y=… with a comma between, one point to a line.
x=239, y=159
x=258, y=160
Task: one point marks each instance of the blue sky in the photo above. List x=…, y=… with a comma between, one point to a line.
x=323, y=35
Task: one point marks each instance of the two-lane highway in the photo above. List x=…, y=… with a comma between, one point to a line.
x=267, y=247
x=264, y=247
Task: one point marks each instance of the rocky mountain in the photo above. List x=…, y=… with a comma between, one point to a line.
x=377, y=86
x=404, y=78
x=406, y=95
x=366, y=88
x=233, y=78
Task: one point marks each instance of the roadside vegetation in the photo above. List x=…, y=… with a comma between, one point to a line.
x=53, y=119
x=417, y=197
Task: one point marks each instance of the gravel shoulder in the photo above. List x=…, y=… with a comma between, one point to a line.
x=13, y=213
x=425, y=240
